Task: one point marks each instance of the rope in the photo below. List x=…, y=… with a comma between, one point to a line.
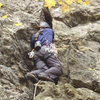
x=36, y=85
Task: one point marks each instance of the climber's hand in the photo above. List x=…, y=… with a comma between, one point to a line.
x=31, y=54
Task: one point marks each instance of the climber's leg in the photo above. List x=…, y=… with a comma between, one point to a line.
x=54, y=71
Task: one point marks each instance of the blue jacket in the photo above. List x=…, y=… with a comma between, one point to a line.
x=46, y=37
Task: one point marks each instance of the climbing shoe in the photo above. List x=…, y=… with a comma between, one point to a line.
x=45, y=77
x=32, y=77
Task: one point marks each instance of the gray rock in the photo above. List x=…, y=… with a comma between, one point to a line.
x=89, y=94
x=82, y=15
x=78, y=43
x=14, y=47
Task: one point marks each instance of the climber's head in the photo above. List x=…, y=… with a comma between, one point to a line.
x=44, y=24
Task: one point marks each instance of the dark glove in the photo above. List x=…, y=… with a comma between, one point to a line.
x=37, y=45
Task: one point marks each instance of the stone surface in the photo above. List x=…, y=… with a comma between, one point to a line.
x=89, y=94
x=78, y=43
x=82, y=15
x=14, y=47
x=64, y=91
x=79, y=33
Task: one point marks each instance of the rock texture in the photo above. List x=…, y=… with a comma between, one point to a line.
x=14, y=46
x=79, y=32
x=78, y=43
x=65, y=92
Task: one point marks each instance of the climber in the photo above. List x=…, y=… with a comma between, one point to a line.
x=44, y=54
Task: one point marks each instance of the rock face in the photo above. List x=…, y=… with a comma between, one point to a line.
x=78, y=43
x=65, y=92
x=80, y=35
x=14, y=46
